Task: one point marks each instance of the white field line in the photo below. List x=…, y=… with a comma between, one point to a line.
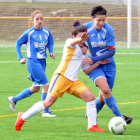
x=63, y=46
x=9, y=62
x=26, y=51
x=62, y=52
x=4, y=62
x=9, y=46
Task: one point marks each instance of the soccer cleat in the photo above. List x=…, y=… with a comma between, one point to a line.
x=19, y=122
x=127, y=119
x=12, y=103
x=96, y=128
x=48, y=114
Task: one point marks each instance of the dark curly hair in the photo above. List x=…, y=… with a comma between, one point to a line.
x=78, y=28
x=98, y=10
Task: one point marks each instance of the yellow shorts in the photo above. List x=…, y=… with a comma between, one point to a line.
x=60, y=84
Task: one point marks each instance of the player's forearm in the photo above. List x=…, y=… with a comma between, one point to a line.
x=92, y=67
x=18, y=51
x=106, y=55
x=75, y=41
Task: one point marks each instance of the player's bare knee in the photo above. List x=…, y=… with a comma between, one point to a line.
x=35, y=89
x=106, y=91
x=45, y=88
x=46, y=104
x=90, y=98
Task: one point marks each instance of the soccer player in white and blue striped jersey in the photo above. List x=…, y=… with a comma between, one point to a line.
x=101, y=42
x=37, y=39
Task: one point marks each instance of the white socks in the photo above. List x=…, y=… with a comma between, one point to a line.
x=35, y=109
x=91, y=114
x=38, y=107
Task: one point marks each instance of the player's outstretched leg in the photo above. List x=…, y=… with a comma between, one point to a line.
x=112, y=105
x=19, y=122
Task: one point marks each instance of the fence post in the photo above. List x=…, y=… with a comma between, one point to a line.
x=128, y=23
x=29, y=23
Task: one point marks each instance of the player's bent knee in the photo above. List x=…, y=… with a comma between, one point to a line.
x=35, y=89
x=87, y=95
x=47, y=104
x=89, y=98
x=106, y=91
x=92, y=98
x=45, y=88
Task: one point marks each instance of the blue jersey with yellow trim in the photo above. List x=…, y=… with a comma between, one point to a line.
x=99, y=40
x=37, y=41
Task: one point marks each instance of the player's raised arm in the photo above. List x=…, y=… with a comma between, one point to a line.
x=83, y=37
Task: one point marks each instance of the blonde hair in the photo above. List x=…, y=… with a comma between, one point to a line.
x=34, y=13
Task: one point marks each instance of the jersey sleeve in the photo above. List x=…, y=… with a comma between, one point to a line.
x=22, y=40
x=50, y=43
x=85, y=24
x=110, y=37
x=68, y=41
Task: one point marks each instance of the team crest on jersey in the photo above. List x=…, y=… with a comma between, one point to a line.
x=93, y=35
x=46, y=36
x=103, y=36
x=34, y=36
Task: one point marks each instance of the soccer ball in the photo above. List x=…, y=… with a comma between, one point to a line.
x=117, y=125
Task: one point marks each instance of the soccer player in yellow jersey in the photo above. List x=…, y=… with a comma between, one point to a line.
x=65, y=79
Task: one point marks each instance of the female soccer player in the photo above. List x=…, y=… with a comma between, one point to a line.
x=101, y=42
x=65, y=79
x=37, y=40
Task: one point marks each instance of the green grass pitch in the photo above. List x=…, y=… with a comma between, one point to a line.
x=70, y=123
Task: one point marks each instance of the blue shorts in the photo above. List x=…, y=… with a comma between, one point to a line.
x=36, y=68
x=107, y=71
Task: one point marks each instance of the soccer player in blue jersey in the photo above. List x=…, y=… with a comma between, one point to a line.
x=37, y=39
x=101, y=42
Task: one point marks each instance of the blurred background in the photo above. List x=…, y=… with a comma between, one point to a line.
x=59, y=16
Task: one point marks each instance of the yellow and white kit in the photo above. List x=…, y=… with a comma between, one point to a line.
x=65, y=78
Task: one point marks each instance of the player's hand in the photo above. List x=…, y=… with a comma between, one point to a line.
x=87, y=61
x=84, y=36
x=106, y=61
x=52, y=55
x=23, y=61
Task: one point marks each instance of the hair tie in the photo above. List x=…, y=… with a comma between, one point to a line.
x=77, y=25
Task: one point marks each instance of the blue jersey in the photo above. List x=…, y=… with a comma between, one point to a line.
x=99, y=40
x=37, y=41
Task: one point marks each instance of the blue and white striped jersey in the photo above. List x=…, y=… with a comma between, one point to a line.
x=99, y=40
x=37, y=41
